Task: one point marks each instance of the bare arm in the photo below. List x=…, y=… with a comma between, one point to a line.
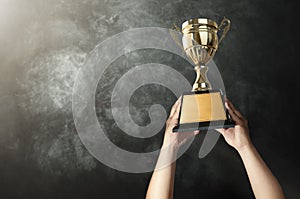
x=162, y=181
x=263, y=182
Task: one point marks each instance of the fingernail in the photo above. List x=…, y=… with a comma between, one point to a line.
x=227, y=105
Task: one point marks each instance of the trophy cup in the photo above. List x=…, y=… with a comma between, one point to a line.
x=203, y=107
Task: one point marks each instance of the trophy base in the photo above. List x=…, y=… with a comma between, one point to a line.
x=202, y=127
x=203, y=110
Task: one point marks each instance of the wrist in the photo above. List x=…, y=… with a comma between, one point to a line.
x=246, y=149
x=170, y=148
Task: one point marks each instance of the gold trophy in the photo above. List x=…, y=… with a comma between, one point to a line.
x=203, y=108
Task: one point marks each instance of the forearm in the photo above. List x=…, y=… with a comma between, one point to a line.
x=263, y=182
x=162, y=181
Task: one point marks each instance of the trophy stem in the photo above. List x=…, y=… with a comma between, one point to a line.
x=201, y=82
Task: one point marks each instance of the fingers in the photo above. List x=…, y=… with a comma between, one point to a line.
x=175, y=108
x=230, y=105
x=235, y=114
x=234, y=110
x=188, y=135
x=176, y=114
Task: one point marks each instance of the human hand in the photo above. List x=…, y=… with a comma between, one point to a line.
x=171, y=139
x=237, y=137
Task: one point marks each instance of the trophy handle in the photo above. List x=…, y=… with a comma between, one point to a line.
x=224, y=27
x=175, y=36
x=175, y=27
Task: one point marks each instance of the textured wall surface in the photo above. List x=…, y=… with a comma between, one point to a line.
x=43, y=45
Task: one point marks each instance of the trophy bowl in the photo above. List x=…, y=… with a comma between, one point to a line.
x=200, y=42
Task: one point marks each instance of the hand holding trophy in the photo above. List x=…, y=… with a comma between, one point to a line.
x=203, y=108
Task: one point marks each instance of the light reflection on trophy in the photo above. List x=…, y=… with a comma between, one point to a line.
x=203, y=107
x=200, y=42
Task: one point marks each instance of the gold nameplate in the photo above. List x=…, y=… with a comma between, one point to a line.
x=202, y=108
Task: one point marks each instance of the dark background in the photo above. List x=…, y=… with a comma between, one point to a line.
x=42, y=46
